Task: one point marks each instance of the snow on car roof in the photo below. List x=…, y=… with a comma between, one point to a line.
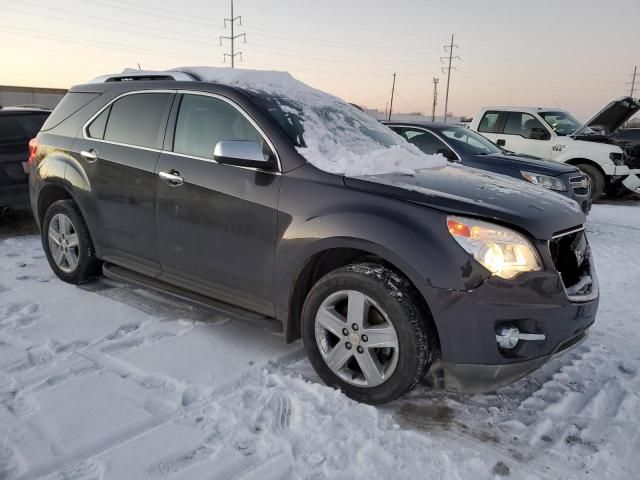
x=337, y=137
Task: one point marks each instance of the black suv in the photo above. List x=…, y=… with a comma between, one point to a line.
x=18, y=125
x=246, y=196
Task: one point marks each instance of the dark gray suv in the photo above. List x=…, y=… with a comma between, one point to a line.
x=273, y=201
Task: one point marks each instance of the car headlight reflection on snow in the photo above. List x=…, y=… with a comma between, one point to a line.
x=502, y=251
x=552, y=183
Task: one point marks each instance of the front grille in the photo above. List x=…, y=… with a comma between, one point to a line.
x=580, y=184
x=569, y=252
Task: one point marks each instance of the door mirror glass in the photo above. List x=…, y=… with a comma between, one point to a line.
x=244, y=153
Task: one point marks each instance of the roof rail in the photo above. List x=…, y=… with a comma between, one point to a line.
x=132, y=75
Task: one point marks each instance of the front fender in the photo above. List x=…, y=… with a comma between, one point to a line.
x=411, y=237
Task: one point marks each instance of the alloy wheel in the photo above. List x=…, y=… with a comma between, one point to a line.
x=63, y=242
x=356, y=339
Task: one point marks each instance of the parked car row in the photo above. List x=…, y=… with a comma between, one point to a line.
x=252, y=192
x=551, y=133
x=459, y=144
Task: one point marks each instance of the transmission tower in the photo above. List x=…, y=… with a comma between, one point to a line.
x=447, y=69
x=435, y=98
x=232, y=38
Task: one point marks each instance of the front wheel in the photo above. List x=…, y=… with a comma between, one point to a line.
x=366, y=333
x=67, y=243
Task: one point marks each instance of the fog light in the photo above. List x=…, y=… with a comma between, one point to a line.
x=508, y=337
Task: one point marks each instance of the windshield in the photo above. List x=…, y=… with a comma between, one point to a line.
x=561, y=122
x=339, y=138
x=467, y=141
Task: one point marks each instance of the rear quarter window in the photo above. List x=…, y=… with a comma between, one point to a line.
x=70, y=104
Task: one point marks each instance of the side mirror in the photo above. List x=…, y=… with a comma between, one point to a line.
x=538, y=134
x=241, y=153
x=448, y=154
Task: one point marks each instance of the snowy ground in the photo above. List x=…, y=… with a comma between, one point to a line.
x=115, y=382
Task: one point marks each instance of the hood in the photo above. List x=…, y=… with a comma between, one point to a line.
x=524, y=162
x=613, y=115
x=469, y=191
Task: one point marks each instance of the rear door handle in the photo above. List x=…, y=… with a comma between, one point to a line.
x=172, y=177
x=90, y=156
x=502, y=142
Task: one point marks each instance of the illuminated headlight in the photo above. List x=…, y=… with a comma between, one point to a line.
x=502, y=251
x=552, y=183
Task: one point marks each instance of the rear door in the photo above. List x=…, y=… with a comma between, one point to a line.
x=216, y=226
x=120, y=149
x=524, y=134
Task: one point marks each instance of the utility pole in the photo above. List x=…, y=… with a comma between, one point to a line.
x=435, y=98
x=451, y=57
x=633, y=80
x=232, y=38
x=393, y=89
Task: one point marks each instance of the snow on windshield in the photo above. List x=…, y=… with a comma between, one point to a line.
x=331, y=134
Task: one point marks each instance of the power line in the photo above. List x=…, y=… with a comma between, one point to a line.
x=633, y=81
x=435, y=98
x=448, y=70
x=232, y=38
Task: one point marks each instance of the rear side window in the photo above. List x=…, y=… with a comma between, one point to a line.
x=489, y=122
x=70, y=104
x=20, y=127
x=204, y=121
x=137, y=119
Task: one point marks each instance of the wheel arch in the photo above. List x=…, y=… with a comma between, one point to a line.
x=581, y=160
x=330, y=258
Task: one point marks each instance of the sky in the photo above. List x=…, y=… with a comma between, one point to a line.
x=576, y=55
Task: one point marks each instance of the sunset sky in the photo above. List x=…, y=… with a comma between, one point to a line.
x=573, y=54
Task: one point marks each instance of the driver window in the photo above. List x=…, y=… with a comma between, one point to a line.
x=204, y=121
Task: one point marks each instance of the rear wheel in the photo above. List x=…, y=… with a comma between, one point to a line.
x=366, y=333
x=67, y=243
x=596, y=178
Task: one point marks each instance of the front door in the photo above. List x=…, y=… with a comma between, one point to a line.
x=119, y=158
x=216, y=223
x=525, y=134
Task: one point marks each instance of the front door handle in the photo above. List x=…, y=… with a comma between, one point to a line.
x=90, y=156
x=502, y=142
x=172, y=177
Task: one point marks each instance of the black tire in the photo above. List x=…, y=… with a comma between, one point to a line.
x=596, y=177
x=88, y=265
x=399, y=299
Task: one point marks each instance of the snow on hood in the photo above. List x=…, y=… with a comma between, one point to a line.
x=333, y=135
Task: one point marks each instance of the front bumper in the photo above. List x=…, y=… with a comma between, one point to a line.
x=534, y=302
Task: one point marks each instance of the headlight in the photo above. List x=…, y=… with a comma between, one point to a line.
x=500, y=250
x=552, y=183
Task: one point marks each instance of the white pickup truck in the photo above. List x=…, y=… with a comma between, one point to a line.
x=554, y=134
